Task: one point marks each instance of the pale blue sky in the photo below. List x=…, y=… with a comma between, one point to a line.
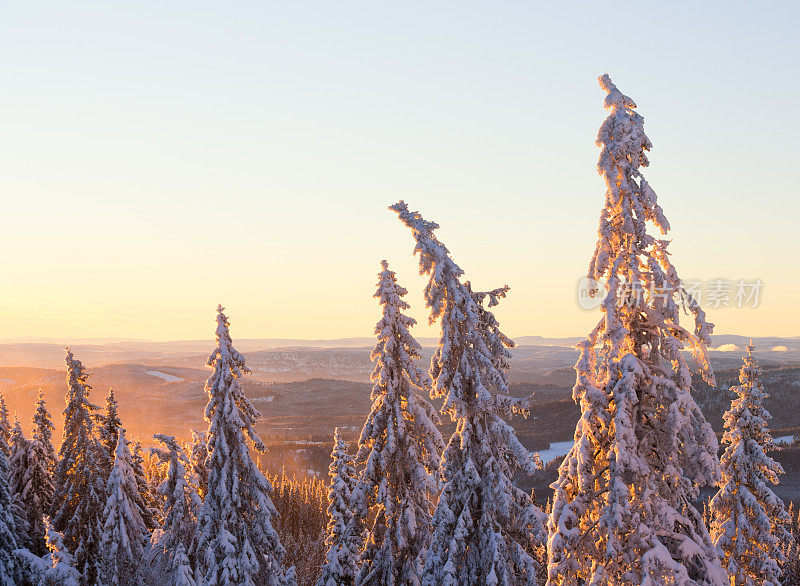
x=157, y=158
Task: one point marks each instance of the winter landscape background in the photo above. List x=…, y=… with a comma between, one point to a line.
x=296, y=383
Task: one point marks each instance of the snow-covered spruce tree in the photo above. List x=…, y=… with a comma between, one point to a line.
x=10, y=573
x=181, y=504
x=484, y=528
x=148, y=502
x=750, y=522
x=38, y=484
x=237, y=543
x=622, y=509
x=18, y=484
x=124, y=531
x=79, y=477
x=343, y=539
x=5, y=427
x=399, y=450
x=43, y=432
x=110, y=426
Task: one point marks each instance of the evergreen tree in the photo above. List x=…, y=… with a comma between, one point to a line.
x=80, y=476
x=5, y=428
x=19, y=478
x=343, y=539
x=38, y=483
x=484, y=529
x=124, y=531
x=148, y=502
x=750, y=521
x=10, y=573
x=43, y=431
x=237, y=543
x=622, y=510
x=399, y=450
x=181, y=504
x=111, y=424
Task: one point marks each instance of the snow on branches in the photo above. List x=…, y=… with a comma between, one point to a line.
x=237, y=543
x=484, y=528
x=622, y=510
x=343, y=539
x=124, y=531
x=398, y=448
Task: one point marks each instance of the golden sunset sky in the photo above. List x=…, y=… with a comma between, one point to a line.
x=159, y=158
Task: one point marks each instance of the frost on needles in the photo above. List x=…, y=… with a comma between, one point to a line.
x=623, y=507
x=485, y=529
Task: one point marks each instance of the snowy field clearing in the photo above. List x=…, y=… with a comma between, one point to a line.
x=555, y=450
x=162, y=375
x=784, y=439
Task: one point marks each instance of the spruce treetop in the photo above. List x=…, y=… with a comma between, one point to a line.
x=471, y=345
x=645, y=294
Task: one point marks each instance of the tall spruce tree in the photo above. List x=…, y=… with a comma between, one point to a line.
x=399, y=449
x=18, y=484
x=343, y=538
x=750, y=521
x=180, y=508
x=149, y=505
x=237, y=543
x=124, y=532
x=484, y=528
x=43, y=432
x=80, y=496
x=37, y=483
x=10, y=572
x=623, y=509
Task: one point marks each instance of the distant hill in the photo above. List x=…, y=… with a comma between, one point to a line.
x=193, y=353
x=304, y=393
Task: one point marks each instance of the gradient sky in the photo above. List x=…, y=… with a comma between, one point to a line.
x=157, y=158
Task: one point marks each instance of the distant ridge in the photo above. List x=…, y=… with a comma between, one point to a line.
x=50, y=354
